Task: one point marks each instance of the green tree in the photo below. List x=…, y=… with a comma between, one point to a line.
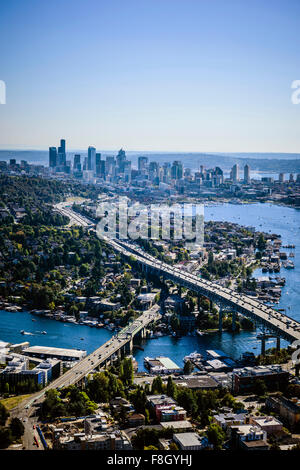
x=261, y=242
x=6, y=437
x=260, y=388
x=216, y=436
x=126, y=369
x=4, y=414
x=188, y=367
x=157, y=385
x=17, y=428
x=171, y=388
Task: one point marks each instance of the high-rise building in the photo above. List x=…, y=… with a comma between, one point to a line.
x=217, y=177
x=101, y=173
x=77, y=162
x=52, y=157
x=247, y=178
x=63, y=145
x=98, y=162
x=281, y=177
x=120, y=160
x=127, y=171
x=92, y=159
x=142, y=163
x=98, y=158
x=153, y=171
x=291, y=179
x=110, y=166
x=61, y=153
x=177, y=170
x=235, y=173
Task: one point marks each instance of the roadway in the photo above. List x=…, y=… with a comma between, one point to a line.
x=97, y=358
x=246, y=305
x=277, y=322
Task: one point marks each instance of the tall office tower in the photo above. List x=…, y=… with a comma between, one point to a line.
x=92, y=159
x=281, y=177
x=153, y=170
x=98, y=161
x=247, y=178
x=102, y=169
x=98, y=158
x=85, y=164
x=63, y=145
x=187, y=172
x=235, y=173
x=127, y=171
x=177, y=170
x=52, y=157
x=110, y=166
x=142, y=163
x=198, y=178
x=62, y=153
x=77, y=162
x=167, y=172
x=291, y=179
x=218, y=176
x=120, y=160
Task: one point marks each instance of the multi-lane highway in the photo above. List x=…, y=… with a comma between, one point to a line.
x=277, y=322
x=100, y=356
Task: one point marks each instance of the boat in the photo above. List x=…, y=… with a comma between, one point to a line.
x=193, y=357
x=82, y=339
x=289, y=264
x=44, y=332
x=26, y=333
x=200, y=333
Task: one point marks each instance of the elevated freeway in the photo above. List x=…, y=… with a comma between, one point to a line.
x=120, y=344
x=275, y=322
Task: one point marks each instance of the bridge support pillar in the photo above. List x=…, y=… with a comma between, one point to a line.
x=129, y=347
x=220, y=320
x=278, y=343
x=233, y=324
x=198, y=301
x=179, y=291
x=297, y=369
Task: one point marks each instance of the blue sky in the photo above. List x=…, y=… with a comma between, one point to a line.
x=169, y=75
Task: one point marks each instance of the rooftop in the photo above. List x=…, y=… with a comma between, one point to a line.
x=47, y=350
x=188, y=439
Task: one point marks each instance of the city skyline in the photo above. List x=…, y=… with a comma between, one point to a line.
x=171, y=76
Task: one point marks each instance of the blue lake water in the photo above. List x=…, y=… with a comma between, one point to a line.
x=265, y=217
x=59, y=334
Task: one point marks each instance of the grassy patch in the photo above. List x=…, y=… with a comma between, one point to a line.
x=11, y=402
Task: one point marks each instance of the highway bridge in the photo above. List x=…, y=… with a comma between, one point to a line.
x=272, y=321
x=119, y=345
x=279, y=324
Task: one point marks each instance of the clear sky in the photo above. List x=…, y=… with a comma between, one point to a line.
x=170, y=75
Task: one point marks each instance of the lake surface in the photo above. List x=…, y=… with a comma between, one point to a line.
x=269, y=218
x=59, y=334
